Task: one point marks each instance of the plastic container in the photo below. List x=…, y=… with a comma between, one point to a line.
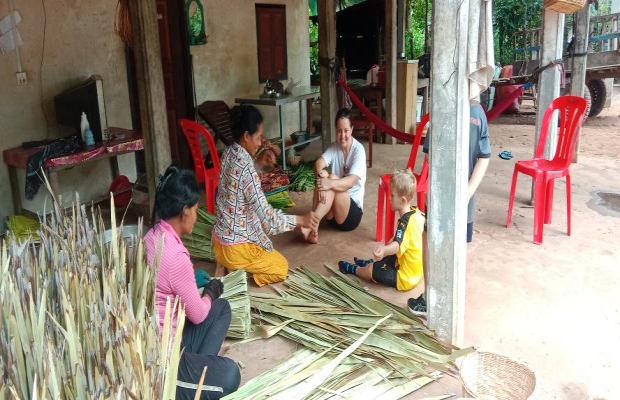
x=372, y=77
x=418, y=109
x=83, y=126
x=89, y=139
x=381, y=77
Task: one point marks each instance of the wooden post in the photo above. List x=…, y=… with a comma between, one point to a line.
x=390, y=63
x=549, y=81
x=578, y=69
x=326, y=10
x=449, y=144
x=151, y=93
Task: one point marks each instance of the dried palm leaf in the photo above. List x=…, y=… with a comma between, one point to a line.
x=77, y=316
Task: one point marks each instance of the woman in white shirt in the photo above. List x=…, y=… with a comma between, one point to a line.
x=339, y=196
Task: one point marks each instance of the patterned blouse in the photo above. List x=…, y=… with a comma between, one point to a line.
x=242, y=213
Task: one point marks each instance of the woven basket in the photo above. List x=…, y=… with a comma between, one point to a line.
x=490, y=374
x=564, y=6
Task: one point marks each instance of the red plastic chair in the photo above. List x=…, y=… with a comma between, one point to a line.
x=192, y=130
x=544, y=172
x=383, y=201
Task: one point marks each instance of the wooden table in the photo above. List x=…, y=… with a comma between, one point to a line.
x=370, y=92
x=299, y=95
x=18, y=158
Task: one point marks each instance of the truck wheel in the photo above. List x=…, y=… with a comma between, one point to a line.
x=598, y=95
x=586, y=96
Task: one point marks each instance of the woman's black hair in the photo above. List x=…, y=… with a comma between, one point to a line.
x=244, y=118
x=343, y=113
x=176, y=190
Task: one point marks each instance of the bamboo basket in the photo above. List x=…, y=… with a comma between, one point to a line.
x=490, y=374
x=564, y=6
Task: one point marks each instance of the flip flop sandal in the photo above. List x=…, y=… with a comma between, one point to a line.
x=505, y=155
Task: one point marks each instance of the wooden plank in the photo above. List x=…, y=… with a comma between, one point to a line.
x=390, y=63
x=151, y=93
x=326, y=10
x=447, y=205
x=578, y=67
x=407, y=93
x=17, y=199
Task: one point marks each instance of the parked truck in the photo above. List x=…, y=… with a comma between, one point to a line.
x=603, y=59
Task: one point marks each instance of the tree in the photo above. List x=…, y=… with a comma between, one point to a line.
x=510, y=16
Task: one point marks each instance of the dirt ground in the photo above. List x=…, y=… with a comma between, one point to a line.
x=553, y=307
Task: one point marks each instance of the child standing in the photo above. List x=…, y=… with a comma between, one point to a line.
x=399, y=263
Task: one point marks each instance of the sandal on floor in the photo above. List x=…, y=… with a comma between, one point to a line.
x=505, y=155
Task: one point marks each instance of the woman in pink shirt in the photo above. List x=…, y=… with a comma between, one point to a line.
x=207, y=316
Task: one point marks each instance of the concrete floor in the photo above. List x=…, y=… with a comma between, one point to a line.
x=552, y=307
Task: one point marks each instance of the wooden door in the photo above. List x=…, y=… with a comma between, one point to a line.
x=177, y=76
x=271, y=34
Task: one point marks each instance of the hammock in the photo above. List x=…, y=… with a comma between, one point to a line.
x=405, y=137
x=504, y=103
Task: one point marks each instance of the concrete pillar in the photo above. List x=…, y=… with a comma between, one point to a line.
x=390, y=43
x=578, y=74
x=326, y=10
x=151, y=93
x=449, y=145
x=549, y=81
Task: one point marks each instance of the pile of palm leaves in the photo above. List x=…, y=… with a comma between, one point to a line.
x=75, y=319
x=311, y=375
x=353, y=378
x=327, y=314
x=236, y=292
x=200, y=243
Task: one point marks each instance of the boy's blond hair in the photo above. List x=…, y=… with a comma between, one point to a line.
x=403, y=183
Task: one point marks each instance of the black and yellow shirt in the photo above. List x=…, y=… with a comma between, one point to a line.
x=409, y=237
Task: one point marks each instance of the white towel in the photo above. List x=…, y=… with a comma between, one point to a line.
x=480, y=57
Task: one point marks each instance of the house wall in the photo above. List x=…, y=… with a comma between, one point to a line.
x=79, y=42
x=227, y=66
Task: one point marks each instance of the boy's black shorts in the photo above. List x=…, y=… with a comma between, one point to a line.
x=384, y=271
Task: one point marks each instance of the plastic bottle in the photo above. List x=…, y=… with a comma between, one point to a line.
x=89, y=139
x=83, y=126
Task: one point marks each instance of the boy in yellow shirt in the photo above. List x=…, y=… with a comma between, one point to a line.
x=399, y=263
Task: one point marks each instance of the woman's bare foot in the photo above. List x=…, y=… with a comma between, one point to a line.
x=313, y=237
x=309, y=235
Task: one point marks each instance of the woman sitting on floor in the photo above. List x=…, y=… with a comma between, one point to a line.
x=208, y=317
x=339, y=196
x=243, y=217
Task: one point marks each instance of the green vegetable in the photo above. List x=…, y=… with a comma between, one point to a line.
x=302, y=177
x=280, y=200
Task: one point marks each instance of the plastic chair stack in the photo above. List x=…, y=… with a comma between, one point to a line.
x=383, y=202
x=208, y=176
x=544, y=172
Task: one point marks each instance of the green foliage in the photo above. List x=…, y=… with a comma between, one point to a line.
x=195, y=23
x=603, y=8
x=314, y=46
x=414, y=35
x=510, y=16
